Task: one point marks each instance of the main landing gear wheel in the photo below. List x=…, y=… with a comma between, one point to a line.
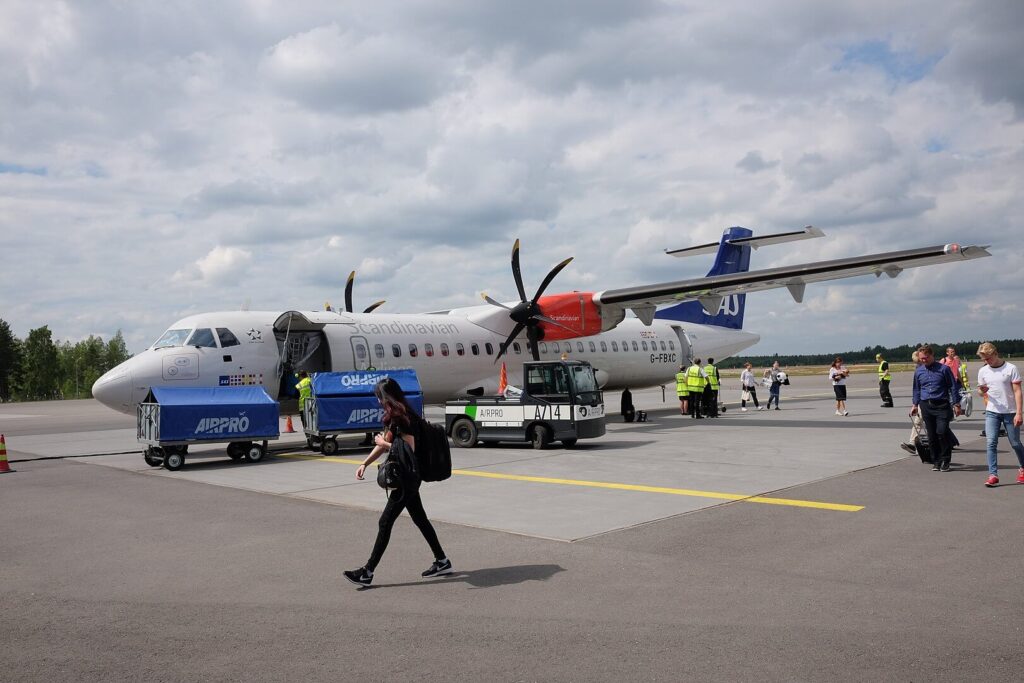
x=174, y=458
x=329, y=446
x=154, y=456
x=626, y=406
x=539, y=437
x=255, y=452
x=464, y=433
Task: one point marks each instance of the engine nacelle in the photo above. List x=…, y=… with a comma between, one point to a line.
x=575, y=310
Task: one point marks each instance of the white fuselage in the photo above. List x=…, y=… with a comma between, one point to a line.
x=450, y=353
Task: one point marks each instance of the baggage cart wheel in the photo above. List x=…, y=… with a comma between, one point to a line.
x=539, y=437
x=464, y=433
x=174, y=458
x=255, y=452
x=312, y=443
x=569, y=443
x=154, y=456
x=236, y=449
x=329, y=446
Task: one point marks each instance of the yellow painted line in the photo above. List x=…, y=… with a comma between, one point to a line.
x=839, y=507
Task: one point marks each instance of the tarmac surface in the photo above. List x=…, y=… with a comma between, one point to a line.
x=787, y=545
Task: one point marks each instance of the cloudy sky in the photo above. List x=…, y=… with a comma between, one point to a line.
x=159, y=159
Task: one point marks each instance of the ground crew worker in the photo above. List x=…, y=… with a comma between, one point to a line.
x=963, y=377
x=884, y=378
x=305, y=387
x=682, y=391
x=695, y=381
x=711, y=390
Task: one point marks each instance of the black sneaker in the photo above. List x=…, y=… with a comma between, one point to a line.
x=945, y=467
x=360, y=577
x=439, y=568
x=936, y=467
x=909, y=448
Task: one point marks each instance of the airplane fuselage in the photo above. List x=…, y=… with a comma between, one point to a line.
x=451, y=354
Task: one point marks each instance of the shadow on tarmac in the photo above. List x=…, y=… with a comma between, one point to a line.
x=487, y=578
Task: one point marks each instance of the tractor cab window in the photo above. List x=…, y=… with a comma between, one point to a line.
x=585, y=383
x=227, y=338
x=202, y=337
x=172, y=338
x=547, y=381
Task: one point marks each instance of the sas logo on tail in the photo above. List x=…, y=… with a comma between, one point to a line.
x=366, y=415
x=221, y=425
x=730, y=306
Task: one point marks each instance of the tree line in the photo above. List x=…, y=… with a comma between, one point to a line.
x=39, y=368
x=894, y=354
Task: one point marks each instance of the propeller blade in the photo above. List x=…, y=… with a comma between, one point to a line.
x=533, y=334
x=493, y=302
x=551, y=276
x=508, y=340
x=372, y=307
x=516, y=273
x=348, y=292
x=549, y=321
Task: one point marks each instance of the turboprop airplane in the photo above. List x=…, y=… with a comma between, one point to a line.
x=454, y=352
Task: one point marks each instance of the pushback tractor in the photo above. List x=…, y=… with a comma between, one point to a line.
x=560, y=401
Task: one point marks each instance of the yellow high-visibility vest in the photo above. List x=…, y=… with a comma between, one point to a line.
x=712, y=372
x=883, y=374
x=963, y=377
x=681, y=388
x=305, y=387
x=694, y=380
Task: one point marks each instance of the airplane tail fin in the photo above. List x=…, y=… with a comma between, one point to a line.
x=733, y=257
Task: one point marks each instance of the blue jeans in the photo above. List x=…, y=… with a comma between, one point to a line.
x=773, y=394
x=992, y=422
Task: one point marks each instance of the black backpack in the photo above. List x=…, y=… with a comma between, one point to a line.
x=433, y=452
x=400, y=470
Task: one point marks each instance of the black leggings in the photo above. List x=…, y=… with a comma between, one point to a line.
x=753, y=397
x=398, y=500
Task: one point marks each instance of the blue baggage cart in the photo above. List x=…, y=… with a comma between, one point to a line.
x=172, y=418
x=344, y=403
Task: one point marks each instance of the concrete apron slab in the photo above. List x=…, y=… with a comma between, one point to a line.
x=636, y=474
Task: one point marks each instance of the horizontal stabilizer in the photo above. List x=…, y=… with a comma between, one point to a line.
x=810, y=232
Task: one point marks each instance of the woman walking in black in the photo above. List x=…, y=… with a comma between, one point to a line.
x=400, y=422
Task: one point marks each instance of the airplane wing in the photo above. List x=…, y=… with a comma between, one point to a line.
x=712, y=290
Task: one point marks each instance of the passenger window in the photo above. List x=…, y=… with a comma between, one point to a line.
x=671, y=345
x=378, y=350
x=579, y=346
x=413, y=351
x=593, y=347
x=604, y=347
x=475, y=348
x=644, y=344
x=543, y=347
x=460, y=350
x=444, y=349
x=635, y=347
x=615, y=346
x=360, y=351
x=429, y=350
x=226, y=337
x=555, y=348
x=662, y=346
x=489, y=348
x=396, y=350
x=516, y=347
x=202, y=337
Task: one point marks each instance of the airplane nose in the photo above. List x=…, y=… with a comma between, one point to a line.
x=114, y=389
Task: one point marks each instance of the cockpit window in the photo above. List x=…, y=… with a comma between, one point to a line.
x=172, y=338
x=202, y=337
x=226, y=337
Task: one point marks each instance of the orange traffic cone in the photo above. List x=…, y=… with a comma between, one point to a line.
x=4, y=467
x=288, y=428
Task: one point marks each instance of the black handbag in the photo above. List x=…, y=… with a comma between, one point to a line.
x=399, y=469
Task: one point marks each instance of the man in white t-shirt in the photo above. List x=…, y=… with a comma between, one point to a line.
x=999, y=382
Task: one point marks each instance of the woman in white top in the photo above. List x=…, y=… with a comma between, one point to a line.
x=749, y=386
x=838, y=373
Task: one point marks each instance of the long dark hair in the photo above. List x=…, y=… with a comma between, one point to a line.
x=397, y=411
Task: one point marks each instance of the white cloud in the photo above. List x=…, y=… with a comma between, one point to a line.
x=414, y=141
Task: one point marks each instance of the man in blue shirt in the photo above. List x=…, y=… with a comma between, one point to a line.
x=937, y=397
